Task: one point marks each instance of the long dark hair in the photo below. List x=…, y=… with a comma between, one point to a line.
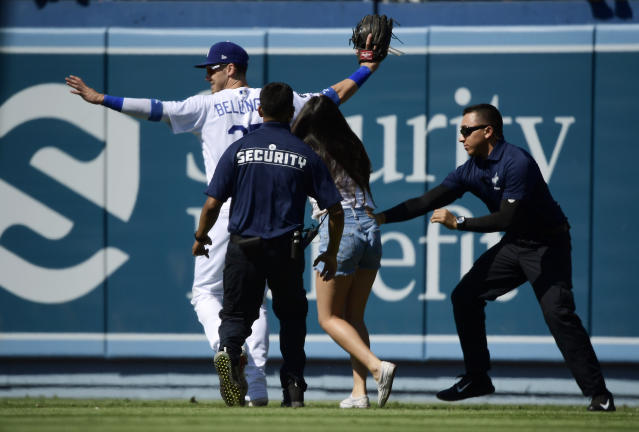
x=321, y=125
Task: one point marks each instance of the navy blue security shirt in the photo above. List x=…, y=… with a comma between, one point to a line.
x=509, y=173
x=269, y=173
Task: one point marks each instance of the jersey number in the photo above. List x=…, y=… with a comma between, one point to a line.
x=244, y=130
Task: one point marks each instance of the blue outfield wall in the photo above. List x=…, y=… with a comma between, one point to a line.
x=98, y=209
x=309, y=14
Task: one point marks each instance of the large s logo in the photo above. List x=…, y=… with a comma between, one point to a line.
x=118, y=163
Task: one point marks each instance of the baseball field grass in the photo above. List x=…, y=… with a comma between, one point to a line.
x=66, y=415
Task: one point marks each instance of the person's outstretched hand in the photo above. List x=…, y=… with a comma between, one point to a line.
x=83, y=90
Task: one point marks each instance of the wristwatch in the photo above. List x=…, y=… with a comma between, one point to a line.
x=461, y=221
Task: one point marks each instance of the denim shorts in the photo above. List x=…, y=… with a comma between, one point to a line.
x=361, y=245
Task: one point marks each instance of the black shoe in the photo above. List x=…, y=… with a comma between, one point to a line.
x=238, y=373
x=602, y=402
x=293, y=395
x=469, y=386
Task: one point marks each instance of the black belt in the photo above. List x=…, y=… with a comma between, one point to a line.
x=240, y=239
x=291, y=240
x=236, y=238
x=544, y=233
x=540, y=236
x=246, y=242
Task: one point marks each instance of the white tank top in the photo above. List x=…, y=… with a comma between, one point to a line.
x=346, y=187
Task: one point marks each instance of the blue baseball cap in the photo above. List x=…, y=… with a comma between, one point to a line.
x=225, y=52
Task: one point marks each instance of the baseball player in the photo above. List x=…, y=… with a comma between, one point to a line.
x=218, y=119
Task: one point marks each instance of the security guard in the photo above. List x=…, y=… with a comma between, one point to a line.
x=535, y=248
x=268, y=174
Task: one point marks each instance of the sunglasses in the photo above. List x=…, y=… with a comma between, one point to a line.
x=215, y=67
x=465, y=131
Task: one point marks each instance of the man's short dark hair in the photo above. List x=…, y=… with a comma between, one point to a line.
x=489, y=115
x=241, y=68
x=276, y=99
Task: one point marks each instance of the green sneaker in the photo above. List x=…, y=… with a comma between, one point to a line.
x=230, y=388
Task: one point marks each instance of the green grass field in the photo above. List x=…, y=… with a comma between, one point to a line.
x=65, y=415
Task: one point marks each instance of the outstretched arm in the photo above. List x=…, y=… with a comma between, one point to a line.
x=435, y=198
x=346, y=88
x=349, y=86
x=148, y=109
x=83, y=90
x=501, y=220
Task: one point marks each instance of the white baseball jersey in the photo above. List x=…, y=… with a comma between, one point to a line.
x=220, y=119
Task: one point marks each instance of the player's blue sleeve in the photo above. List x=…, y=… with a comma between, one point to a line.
x=156, y=110
x=361, y=75
x=331, y=94
x=149, y=109
x=113, y=102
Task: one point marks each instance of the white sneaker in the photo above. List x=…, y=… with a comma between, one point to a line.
x=385, y=383
x=355, y=402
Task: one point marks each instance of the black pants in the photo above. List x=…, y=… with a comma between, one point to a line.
x=246, y=270
x=547, y=266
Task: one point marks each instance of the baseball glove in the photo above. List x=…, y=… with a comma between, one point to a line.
x=381, y=29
